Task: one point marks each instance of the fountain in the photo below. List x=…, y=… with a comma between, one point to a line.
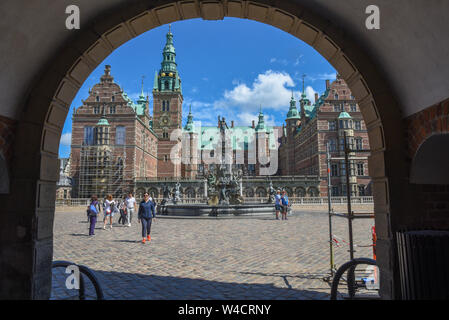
x=224, y=197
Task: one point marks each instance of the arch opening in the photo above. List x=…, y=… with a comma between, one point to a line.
x=75, y=68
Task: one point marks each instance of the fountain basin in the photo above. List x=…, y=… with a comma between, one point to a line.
x=247, y=209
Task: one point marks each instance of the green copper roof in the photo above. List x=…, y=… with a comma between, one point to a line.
x=103, y=122
x=167, y=79
x=189, y=127
x=344, y=115
x=241, y=137
x=293, y=112
x=261, y=123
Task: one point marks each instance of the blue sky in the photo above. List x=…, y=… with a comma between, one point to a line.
x=228, y=68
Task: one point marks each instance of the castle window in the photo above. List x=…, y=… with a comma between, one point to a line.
x=166, y=158
x=335, y=191
x=113, y=98
x=357, y=125
x=120, y=135
x=332, y=145
x=88, y=136
x=96, y=110
x=332, y=126
x=361, y=190
x=97, y=98
x=112, y=109
x=359, y=144
x=166, y=85
x=360, y=169
x=165, y=135
x=167, y=105
x=353, y=108
x=342, y=169
x=336, y=96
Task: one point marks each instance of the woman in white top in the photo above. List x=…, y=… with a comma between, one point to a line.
x=108, y=210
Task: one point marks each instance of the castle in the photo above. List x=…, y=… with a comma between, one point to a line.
x=118, y=146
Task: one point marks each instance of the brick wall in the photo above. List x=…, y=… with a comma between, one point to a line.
x=429, y=207
x=425, y=123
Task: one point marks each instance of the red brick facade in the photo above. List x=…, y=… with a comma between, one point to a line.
x=303, y=148
x=132, y=152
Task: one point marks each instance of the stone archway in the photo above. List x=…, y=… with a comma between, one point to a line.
x=139, y=193
x=261, y=192
x=300, y=192
x=190, y=193
x=48, y=101
x=248, y=192
x=153, y=192
x=313, y=192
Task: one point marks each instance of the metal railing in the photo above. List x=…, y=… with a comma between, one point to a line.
x=293, y=200
x=88, y=273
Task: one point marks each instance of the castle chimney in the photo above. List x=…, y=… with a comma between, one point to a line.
x=316, y=97
x=327, y=84
x=232, y=123
x=254, y=125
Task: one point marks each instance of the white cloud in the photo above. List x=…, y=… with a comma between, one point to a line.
x=310, y=93
x=268, y=90
x=323, y=76
x=246, y=118
x=66, y=139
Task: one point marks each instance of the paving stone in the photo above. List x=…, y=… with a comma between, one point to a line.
x=208, y=258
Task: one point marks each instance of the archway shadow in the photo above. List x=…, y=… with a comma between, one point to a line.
x=135, y=286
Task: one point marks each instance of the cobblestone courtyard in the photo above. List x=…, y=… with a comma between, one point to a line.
x=208, y=258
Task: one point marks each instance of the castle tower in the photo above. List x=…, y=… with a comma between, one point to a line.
x=190, y=148
x=346, y=127
x=262, y=142
x=167, y=110
x=293, y=122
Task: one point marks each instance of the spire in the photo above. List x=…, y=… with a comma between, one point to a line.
x=142, y=95
x=303, y=86
x=261, y=123
x=168, y=80
x=292, y=112
x=189, y=125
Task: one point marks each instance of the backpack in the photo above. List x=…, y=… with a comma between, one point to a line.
x=92, y=210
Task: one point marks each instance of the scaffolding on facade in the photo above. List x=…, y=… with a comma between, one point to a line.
x=350, y=215
x=103, y=171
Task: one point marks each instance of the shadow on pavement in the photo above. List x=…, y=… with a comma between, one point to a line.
x=133, y=286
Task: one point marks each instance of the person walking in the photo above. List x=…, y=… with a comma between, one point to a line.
x=285, y=204
x=146, y=215
x=94, y=210
x=122, y=208
x=109, y=208
x=277, y=203
x=130, y=205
